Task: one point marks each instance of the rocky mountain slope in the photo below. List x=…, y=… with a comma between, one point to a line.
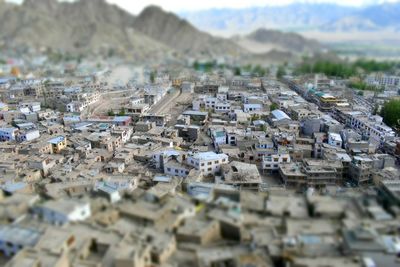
x=94, y=26
x=264, y=41
x=174, y=32
x=81, y=26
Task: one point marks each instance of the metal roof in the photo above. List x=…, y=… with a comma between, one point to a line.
x=280, y=115
x=57, y=140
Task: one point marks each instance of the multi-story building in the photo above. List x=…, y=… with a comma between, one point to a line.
x=207, y=162
x=309, y=173
x=271, y=162
x=8, y=134
x=334, y=139
x=60, y=212
x=383, y=80
x=360, y=170
x=370, y=126
x=58, y=143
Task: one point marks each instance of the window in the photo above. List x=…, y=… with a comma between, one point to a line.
x=209, y=169
x=202, y=164
x=216, y=162
x=176, y=171
x=209, y=163
x=169, y=169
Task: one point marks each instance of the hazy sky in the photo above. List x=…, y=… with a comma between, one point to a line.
x=135, y=6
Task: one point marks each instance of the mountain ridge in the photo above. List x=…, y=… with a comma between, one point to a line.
x=95, y=26
x=299, y=17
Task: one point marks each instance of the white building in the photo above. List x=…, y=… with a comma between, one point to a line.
x=272, y=162
x=252, y=107
x=383, y=80
x=207, y=162
x=62, y=211
x=27, y=135
x=172, y=162
x=8, y=134
x=210, y=102
x=218, y=136
x=176, y=168
x=334, y=139
x=75, y=106
x=222, y=107
x=372, y=126
x=31, y=106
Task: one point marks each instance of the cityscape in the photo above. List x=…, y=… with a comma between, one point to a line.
x=212, y=137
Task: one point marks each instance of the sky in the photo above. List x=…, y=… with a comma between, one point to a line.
x=135, y=6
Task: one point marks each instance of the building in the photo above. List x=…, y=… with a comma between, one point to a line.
x=334, y=139
x=8, y=134
x=278, y=117
x=240, y=175
x=29, y=106
x=271, y=162
x=309, y=173
x=63, y=211
x=370, y=126
x=75, y=106
x=383, y=80
x=252, y=107
x=360, y=170
x=13, y=238
x=58, y=143
x=207, y=162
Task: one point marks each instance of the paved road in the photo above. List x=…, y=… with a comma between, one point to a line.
x=164, y=104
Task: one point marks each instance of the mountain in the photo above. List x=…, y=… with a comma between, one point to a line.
x=293, y=17
x=95, y=26
x=384, y=15
x=264, y=41
x=78, y=27
x=301, y=17
x=174, y=32
x=351, y=24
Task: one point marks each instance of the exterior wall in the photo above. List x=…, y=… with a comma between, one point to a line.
x=222, y=107
x=271, y=163
x=175, y=171
x=334, y=140
x=8, y=135
x=28, y=136
x=208, y=167
x=80, y=213
x=252, y=107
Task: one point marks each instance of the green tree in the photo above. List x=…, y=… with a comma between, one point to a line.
x=264, y=128
x=152, y=76
x=110, y=112
x=122, y=112
x=237, y=71
x=258, y=70
x=391, y=112
x=273, y=107
x=281, y=72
